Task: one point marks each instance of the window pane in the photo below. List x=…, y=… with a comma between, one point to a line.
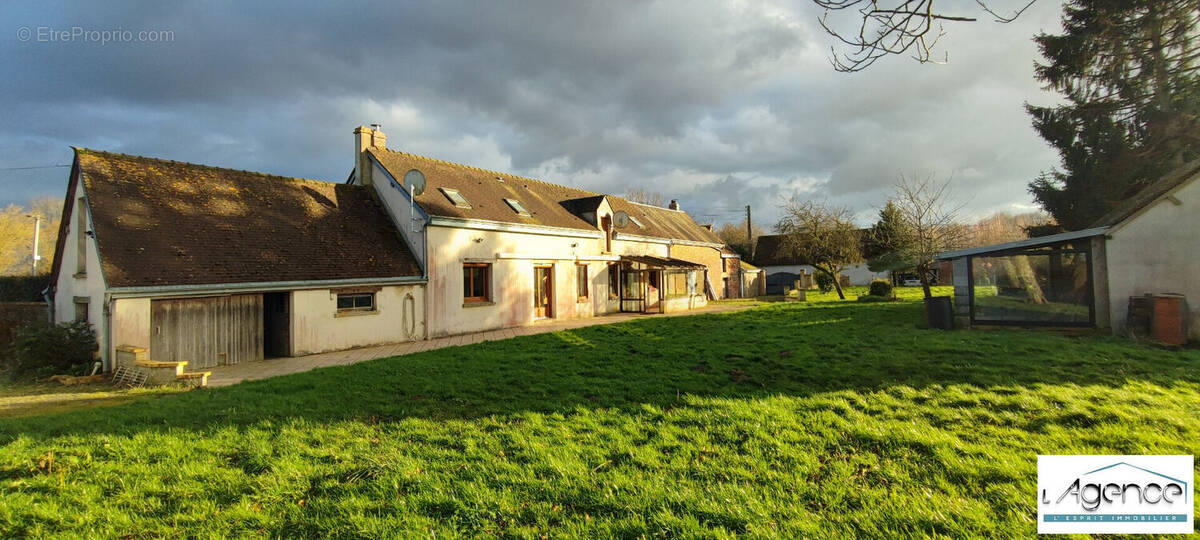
x=581, y=280
x=1051, y=287
x=479, y=282
x=364, y=301
x=467, y=281
x=344, y=302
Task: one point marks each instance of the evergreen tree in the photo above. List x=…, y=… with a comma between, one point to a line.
x=887, y=241
x=1128, y=70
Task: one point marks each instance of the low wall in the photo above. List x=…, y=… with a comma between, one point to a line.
x=17, y=314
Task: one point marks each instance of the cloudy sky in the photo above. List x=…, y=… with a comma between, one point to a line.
x=717, y=104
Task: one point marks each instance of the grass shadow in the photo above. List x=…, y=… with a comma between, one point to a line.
x=784, y=348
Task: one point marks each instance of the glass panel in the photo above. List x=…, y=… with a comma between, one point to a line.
x=1049, y=286
x=517, y=207
x=632, y=285
x=364, y=301
x=479, y=280
x=467, y=281
x=344, y=302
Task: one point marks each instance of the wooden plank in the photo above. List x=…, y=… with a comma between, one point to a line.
x=209, y=331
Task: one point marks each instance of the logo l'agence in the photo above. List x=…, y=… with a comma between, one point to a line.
x=1115, y=494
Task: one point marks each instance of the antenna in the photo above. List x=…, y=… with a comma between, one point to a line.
x=414, y=180
x=621, y=219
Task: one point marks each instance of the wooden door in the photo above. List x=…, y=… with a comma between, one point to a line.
x=207, y=332
x=543, y=291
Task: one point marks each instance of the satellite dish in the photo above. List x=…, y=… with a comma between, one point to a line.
x=415, y=181
x=621, y=219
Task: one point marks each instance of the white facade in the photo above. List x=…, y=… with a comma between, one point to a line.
x=859, y=274
x=1157, y=251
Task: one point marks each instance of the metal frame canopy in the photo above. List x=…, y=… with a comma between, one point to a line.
x=659, y=262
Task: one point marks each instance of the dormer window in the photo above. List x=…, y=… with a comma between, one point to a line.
x=518, y=207
x=455, y=197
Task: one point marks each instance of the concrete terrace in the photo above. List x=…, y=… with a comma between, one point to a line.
x=273, y=367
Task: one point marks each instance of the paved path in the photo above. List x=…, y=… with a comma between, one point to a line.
x=227, y=375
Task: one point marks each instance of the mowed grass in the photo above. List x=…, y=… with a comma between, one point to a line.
x=820, y=419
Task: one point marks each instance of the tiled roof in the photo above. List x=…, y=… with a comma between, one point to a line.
x=549, y=204
x=769, y=252
x=160, y=223
x=1149, y=194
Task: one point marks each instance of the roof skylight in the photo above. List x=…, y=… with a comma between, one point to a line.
x=455, y=197
x=518, y=207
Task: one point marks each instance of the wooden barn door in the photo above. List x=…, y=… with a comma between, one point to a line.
x=207, y=332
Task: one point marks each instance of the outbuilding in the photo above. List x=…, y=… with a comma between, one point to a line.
x=177, y=262
x=1137, y=269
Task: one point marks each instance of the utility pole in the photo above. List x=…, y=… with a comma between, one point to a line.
x=37, y=229
x=749, y=235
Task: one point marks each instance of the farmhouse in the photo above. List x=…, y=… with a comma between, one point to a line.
x=176, y=262
x=1135, y=270
x=501, y=250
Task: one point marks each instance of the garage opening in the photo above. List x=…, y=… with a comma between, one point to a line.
x=277, y=324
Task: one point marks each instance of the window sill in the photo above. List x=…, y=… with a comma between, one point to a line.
x=355, y=313
x=478, y=304
x=80, y=275
x=582, y=300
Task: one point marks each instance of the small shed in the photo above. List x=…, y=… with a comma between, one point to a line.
x=1147, y=246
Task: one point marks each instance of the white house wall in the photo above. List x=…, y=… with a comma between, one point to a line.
x=318, y=327
x=859, y=274
x=1157, y=251
x=91, y=285
x=513, y=256
x=400, y=208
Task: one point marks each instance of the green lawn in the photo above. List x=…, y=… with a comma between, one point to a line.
x=818, y=419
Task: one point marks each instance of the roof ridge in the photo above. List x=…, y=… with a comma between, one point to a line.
x=488, y=171
x=82, y=150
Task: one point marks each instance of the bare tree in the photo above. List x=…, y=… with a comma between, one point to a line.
x=899, y=27
x=932, y=221
x=823, y=236
x=639, y=195
x=734, y=235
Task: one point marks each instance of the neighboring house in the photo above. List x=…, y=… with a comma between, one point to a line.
x=219, y=266
x=501, y=250
x=1148, y=245
x=781, y=266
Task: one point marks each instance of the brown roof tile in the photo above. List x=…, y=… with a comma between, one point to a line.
x=549, y=204
x=160, y=223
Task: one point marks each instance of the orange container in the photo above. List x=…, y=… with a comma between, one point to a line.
x=1167, y=319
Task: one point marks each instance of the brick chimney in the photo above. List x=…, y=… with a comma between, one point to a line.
x=674, y=205
x=364, y=138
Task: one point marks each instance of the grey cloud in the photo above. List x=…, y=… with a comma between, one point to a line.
x=717, y=104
